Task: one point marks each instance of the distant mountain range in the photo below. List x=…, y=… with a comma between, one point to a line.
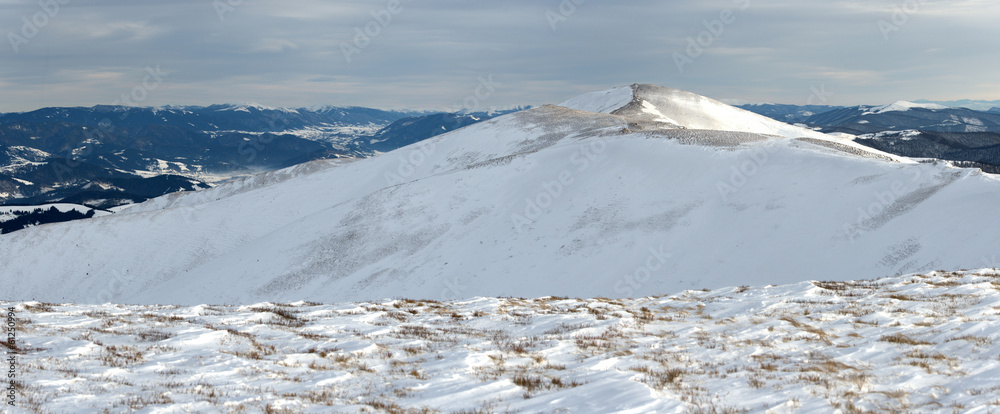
x=905, y=115
x=866, y=119
x=977, y=105
x=106, y=156
x=788, y=113
x=628, y=192
x=966, y=137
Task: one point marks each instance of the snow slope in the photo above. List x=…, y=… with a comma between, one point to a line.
x=685, y=109
x=918, y=343
x=548, y=201
x=606, y=101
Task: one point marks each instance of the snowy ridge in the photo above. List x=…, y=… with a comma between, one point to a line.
x=901, y=106
x=915, y=343
x=657, y=107
x=247, y=106
x=684, y=109
x=434, y=220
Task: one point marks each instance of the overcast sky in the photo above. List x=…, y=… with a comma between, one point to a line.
x=434, y=53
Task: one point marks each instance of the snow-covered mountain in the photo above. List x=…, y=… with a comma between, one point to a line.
x=627, y=192
x=54, y=154
x=967, y=149
x=787, y=113
x=660, y=107
x=904, y=115
x=973, y=104
x=902, y=106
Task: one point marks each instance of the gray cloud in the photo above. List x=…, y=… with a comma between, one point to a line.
x=432, y=52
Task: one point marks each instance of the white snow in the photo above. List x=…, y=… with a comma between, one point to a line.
x=674, y=108
x=246, y=106
x=606, y=101
x=652, y=110
x=905, y=135
x=916, y=343
x=901, y=106
x=549, y=201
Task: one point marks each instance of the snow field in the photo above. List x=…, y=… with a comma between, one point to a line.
x=921, y=342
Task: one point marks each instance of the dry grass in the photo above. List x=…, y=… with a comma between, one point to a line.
x=388, y=354
x=899, y=338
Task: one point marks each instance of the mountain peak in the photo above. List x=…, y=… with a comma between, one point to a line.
x=902, y=106
x=247, y=106
x=675, y=108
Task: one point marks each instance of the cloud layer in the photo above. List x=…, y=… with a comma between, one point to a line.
x=431, y=53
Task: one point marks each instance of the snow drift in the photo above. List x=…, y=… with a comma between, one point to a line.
x=658, y=191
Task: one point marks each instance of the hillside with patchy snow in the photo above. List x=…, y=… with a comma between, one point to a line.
x=917, y=343
x=547, y=201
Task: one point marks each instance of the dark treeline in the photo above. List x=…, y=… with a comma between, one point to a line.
x=41, y=216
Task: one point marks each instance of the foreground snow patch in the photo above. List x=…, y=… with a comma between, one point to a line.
x=919, y=342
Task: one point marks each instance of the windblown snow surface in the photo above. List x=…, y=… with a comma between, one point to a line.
x=916, y=343
x=548, y=201
x=685, y=109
